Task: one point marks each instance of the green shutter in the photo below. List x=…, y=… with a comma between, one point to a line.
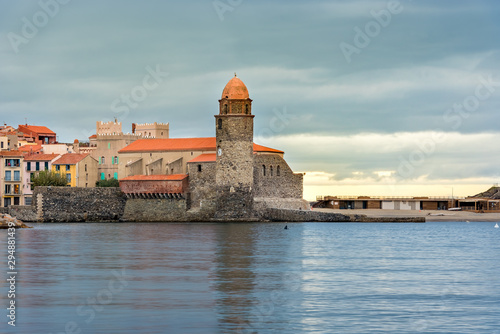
x=115, y=175
x=112, y=160
x=99, y=160
x=103, y=177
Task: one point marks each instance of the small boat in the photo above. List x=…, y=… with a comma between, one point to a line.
x=496, y=225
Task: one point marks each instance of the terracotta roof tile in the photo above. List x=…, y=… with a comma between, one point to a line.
x=37, y=129
x=181, y=144
x=11, y=154
x=235, y=89
x=260, y=148
x=70, y=159
x=177, y=144
x=206, y=157
x=30, y=148
x=172, y=177
x=40, y=157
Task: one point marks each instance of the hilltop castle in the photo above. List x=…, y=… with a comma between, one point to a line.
x=226, y=177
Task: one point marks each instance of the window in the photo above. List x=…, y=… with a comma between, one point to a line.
x=225, y=109
x=1, y=144
x=37, y=166
x=271, y=170
x=116, y=160
x=17, y=189
x=17, y=175
x=46, y=165
x=278, y=170
x=7, y=188
x=219, y=123
x=85, y=167
x=58, y=168
x=68, y=177
x=103, y=160
x=8, y=176
x=199, y=168
x=67, y=167
x=264, y=170
x=28, y=166
x=27, y=201
x=87, y=177
x=246, y=109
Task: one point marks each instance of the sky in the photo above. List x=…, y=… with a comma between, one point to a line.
x=386, y=98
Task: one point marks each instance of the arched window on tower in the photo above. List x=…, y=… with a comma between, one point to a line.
x=247, y=109
x=278, y=171
x=225, y=109
x=264, y=170
x=270, y=170
x=219, y=123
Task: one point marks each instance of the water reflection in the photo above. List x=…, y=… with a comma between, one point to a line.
x=246, y=278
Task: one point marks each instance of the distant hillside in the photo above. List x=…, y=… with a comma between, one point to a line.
x=493, y=193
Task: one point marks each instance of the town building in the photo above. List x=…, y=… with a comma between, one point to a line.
x=38, y=134
x=385, y=203
x=109, y=139
x=11, y=178
x=228, y=174
x=80, y=170
x=33, y=164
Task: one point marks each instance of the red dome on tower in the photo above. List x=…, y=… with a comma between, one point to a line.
x=235, y=89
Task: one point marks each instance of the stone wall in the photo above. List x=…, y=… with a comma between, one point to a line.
x=279, y=180
x=155, y=210
x=284, y=215
x=234, y=166
x=261, y=204
x=201, y=183
x=26, y=213
x=64, y=204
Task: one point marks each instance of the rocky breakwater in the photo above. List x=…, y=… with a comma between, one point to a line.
x=7, y=221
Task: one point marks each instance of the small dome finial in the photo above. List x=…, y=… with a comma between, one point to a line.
x=235, y=74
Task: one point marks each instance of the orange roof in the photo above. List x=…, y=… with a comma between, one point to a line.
x=70, y=159
x=30, y=148
x=40, y=157
x=235, y=89
x=172, y=177
x=181, y=144
x=11, y=154
x=93, y=136
x=260, y=148
x=206, y=157
x=177, y=144
x=37, y=129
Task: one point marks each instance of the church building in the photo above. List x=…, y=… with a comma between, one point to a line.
x=226, y=177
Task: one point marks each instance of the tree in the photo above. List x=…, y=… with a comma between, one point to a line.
x=108, y=183
x=49, y=178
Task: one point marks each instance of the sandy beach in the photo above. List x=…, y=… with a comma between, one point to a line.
x=431, y=216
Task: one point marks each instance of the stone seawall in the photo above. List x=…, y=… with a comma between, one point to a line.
x=285, y=215
x=155, y=210
x=25, y=213
x=64, y=204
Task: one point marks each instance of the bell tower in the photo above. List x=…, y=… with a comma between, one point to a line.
x=234, y=163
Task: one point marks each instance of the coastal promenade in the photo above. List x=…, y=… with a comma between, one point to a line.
x=430, y=215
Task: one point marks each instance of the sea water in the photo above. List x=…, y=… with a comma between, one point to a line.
x=255, y=278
